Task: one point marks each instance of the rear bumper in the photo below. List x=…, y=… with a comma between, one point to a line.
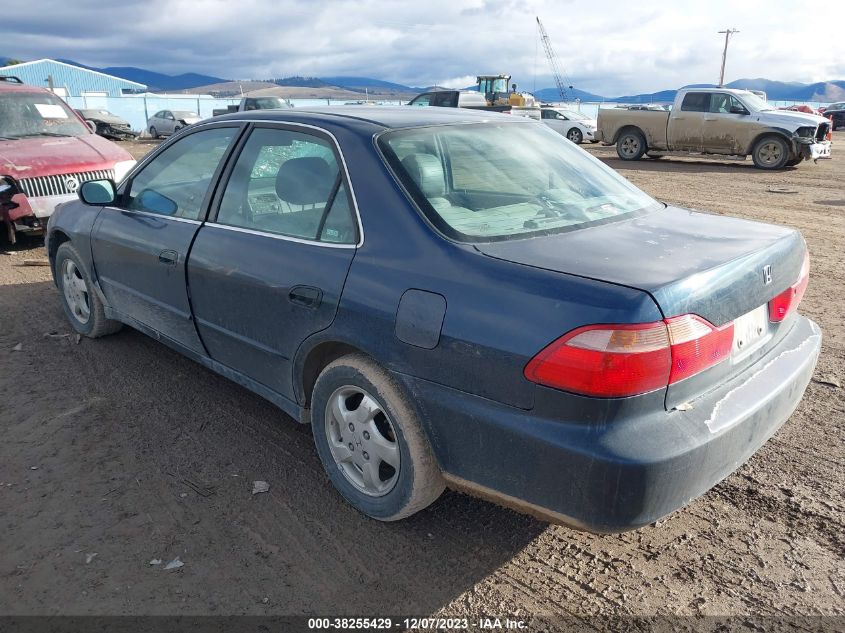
x=613, y=475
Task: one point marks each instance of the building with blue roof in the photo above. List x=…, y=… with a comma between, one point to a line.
x=68, y=80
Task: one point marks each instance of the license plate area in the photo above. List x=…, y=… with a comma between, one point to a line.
x=750, y=332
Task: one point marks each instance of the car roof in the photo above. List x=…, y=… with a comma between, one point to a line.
x=7, y=86
x=385, y=117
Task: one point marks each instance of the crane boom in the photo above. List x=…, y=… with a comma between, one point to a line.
x=550, y=54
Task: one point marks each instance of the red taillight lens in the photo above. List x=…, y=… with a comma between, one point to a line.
x=697, y=345
x=614, y=361
x=609, y=361
x=787, y=302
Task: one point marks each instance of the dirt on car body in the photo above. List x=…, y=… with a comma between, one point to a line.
x=119, y=452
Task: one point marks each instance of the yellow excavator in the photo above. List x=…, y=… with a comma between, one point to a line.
x=495, y=90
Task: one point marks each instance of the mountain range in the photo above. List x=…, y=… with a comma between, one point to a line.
x=776, y=90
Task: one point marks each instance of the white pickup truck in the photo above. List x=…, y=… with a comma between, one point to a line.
x=717, y=121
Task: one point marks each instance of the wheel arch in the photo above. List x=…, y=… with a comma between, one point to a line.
x=785, y=135
x=56, y=238
x=311, y=360
x=629, y=128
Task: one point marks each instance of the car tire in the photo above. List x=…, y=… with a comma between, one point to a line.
x=153, y=132
x=362, y=421
x=80, y=301
x=770, y=152
x=575, y=135
x=631, y=145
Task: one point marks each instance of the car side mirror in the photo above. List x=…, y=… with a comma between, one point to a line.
x=154, y=202
x=91, y=126
x=98, y=193
x=738, y=110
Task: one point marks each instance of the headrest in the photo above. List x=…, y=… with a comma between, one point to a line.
x=306, y=180
x=427, y=171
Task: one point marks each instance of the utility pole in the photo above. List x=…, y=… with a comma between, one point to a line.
x=728, y=33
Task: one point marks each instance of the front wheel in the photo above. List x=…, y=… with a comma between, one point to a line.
x=370, y=440
x=81, y=304
x=770, y=152
x=631, y=145
x=575, y=135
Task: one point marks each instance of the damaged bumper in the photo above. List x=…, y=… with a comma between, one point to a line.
x=815, y=151
x=626, y=471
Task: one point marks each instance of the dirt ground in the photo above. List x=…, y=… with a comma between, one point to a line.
x=119, y=451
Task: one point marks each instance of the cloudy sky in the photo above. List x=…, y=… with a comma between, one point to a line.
x=610, y=47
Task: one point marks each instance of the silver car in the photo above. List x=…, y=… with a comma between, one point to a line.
x=167, y=122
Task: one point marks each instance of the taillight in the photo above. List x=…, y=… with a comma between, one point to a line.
x=610, y=361
x=697, y=345
x=615, y=361
x=787, y=302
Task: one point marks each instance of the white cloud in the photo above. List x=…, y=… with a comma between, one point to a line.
x=611, y=47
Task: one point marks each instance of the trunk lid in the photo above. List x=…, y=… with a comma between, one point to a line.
x=720, y=268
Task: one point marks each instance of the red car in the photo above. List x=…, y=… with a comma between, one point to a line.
x=46, y=152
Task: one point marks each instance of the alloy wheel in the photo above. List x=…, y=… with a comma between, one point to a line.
x=630, y=146
x=75, y=291
x=362, y=440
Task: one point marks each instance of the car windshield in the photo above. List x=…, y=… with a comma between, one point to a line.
x=30, y=114
x=185, y=114
x=755, y=103
x=498, y=181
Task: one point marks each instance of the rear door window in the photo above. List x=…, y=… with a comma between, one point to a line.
x=696, y=102
x=289, y=183
x=444, y=99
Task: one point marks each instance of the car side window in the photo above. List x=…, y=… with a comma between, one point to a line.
x=720, y=103
x=696, y=102
x=288, y=183
x=422, y=100
x=443, y=99
x=175, y=182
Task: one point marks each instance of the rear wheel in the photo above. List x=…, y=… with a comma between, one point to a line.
x=631, y=145
x=575, y=135
x=81, y=304
x=770, y=152
x=153, y=132
x=370, y=440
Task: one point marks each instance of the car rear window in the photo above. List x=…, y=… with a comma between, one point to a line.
x=498, y=181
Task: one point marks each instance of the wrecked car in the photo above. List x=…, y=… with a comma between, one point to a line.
x=717, y=121
x=48, y=151
x=167, y=122
x=108, y=125
x=453, y=297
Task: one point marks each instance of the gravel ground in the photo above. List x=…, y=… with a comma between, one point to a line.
x=119, y=451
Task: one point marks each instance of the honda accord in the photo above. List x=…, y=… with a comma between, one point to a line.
x=453, y=298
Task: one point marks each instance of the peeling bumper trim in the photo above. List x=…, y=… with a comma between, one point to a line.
x=783, y=369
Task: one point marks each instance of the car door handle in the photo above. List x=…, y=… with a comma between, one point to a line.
x=168, y=258
x=306, y=296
